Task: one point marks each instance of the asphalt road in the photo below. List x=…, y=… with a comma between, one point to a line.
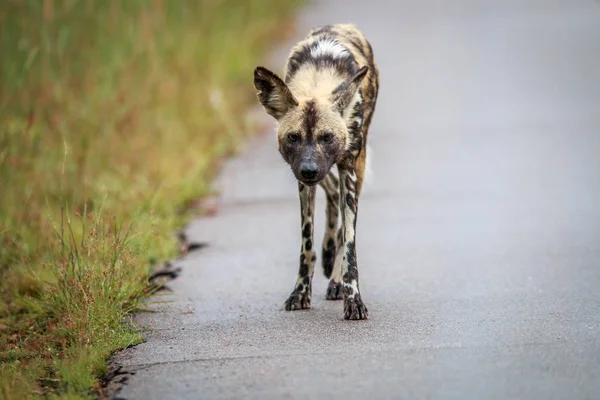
x=478, y=235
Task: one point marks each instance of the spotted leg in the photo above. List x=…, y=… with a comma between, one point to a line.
x=354, y=308
x=301, y=295
x=335, y=290
x=331, y=240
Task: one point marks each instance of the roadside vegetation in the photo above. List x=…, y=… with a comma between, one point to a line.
x=112, y=117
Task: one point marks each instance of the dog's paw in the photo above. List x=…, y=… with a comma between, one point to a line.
x=298, y=301
x=335, y=291
x=355, y=309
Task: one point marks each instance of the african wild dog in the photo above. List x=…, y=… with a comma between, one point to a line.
x=324, y=108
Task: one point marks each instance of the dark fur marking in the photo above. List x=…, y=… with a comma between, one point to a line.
x=354, y=129
x=298, y=301
x=351, y=202
x=342, y=87
x=345, y=65
x=348, y=290
x=265, y=87
x=352, y=273
x=354, y=308
x=307, y=231
x=351, y=257
x=355, y=146
x=358, y=110
x=358, y=46
x=370, y=48
x=303, y=269
x=356, y=142
x=308, y=245
x=371, y=91
x=306, y=280
x=335, y=291
x=328, y=257
x=310, y=118
x=342, y=95
x=323, y=29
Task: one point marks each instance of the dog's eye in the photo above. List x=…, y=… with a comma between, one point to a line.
x=328, y=136
x=293, y=137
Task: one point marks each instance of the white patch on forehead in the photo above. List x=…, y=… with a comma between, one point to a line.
x=331, y=47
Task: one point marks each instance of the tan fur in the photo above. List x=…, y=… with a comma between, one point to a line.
x=328, y=120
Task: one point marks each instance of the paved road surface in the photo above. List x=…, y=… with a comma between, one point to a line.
x=478, y=237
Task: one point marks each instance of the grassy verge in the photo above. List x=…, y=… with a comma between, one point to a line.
x=112, y=114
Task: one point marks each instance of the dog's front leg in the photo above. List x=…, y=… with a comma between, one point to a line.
x=354, y=308
x=301, y=296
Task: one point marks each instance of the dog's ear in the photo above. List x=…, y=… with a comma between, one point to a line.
x=343, y=94
x=273, y=93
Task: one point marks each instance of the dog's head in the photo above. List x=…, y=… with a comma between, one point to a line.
x=312, y=135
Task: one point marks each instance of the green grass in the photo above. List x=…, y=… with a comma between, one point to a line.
x=113, y=115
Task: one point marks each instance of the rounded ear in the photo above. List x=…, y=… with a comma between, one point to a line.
x=273, y=93
x=343, y=94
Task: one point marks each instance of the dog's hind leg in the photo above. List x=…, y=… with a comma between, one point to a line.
x=332, y=240
x=331, y=186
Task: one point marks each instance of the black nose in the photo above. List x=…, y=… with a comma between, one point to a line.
x=309, y=170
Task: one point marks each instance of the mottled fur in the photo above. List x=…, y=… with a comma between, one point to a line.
x=324, y=106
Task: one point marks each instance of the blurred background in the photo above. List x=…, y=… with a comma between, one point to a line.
x=477, y=236
x=480, y=223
